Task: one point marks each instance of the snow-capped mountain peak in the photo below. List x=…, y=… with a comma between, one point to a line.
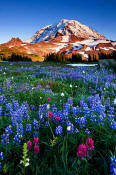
x=66, y=37
x=64, y=31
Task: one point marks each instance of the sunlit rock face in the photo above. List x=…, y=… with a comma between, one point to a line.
x=67, y=37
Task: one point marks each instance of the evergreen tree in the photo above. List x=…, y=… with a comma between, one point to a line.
x=76, y=58
x=15, y=58
x=89, y=58
x=56, y=57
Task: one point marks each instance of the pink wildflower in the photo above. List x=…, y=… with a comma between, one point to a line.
x=36, y=149
x=90, y=144
x=50, y=115
x=29, y=145
x=82, y=151
x=48, y=99
x=57, y=118
x=36, y=141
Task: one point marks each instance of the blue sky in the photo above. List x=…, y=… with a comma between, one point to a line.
x=22, y=18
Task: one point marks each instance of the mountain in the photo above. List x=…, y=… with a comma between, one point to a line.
x=66, y=37
x=65, y=31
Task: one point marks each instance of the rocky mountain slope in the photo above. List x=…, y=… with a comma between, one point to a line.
x=67, y=37
x=65, y=31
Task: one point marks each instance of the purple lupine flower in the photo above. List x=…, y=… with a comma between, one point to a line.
x=81, y=121
x=76, y=131
x=58, y=130
x=93, y=118
x=2, y=99
x=111, y=110
x=75, y=110
x=28, y=127
x=16, y=104
x=9, y=108
x=101, y=119
x=1, y=111
x=107, y=102
x=46, y=124
x=70, y=101
x=113, y=165
x=87, y=131
x=17, y=139
x=1, y=156
x=36, y=124
x=19, y=129
x=8, y=130
x=112, y=123
x=5, y=139
x=82, y=102
x=35, y=134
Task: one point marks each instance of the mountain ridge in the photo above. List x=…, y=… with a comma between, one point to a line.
x=66, y=28
x=66, y=37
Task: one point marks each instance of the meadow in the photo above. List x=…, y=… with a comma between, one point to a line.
x=57, y=119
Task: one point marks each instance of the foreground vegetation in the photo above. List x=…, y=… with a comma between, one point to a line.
x=55, y=119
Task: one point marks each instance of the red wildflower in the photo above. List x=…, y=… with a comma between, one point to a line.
x=50, y=115
x=36, y=149
x=90, y=144
x=48, y=99
x=36, y=141
x=57, y=118
x=29, y=145
x=82, y=151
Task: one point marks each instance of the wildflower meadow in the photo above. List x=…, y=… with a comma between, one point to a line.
x=57, y=120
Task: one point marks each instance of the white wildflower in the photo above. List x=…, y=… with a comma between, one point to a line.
x=41, y=117
x=27, y=164
x=62, y=94
x=68, y=128
x=48, y=106
x=115, y=101
x=27, y=159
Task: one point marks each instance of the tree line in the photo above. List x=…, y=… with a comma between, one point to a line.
x=58, y=57
x=16, y=57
